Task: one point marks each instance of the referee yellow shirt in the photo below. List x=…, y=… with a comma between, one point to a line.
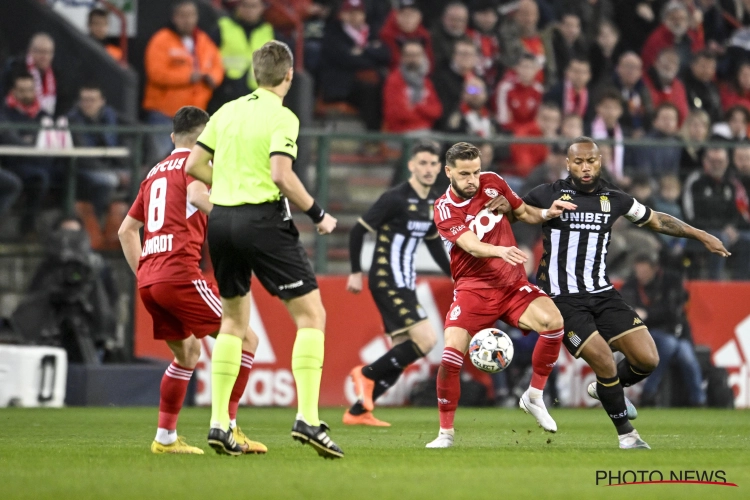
x=242, y=136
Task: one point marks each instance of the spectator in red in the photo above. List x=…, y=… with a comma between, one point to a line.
x=606, y=125
x=410, y=103
x=449, y=78
x=675, y=31
x=519, y=35
x=519, y=95
x=572, y=94
x=484, y=33
x=663, y=83
x=562, y=43
x=98, y=24
x=472, y=117
x=404, y=25
x=452, y=27
x=524, y=157
x=353, y=58
x=737, y=92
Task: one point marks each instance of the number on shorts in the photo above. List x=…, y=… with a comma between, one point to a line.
x=157, y=204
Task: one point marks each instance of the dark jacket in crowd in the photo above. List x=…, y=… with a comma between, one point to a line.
x=703, y=96
x=107, y=116
x=710, y=204
x=663, y=300
x=339, y=65
x=654, y=161
x=449, y=86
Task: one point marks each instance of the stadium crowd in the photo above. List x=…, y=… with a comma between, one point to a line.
x=675, y=73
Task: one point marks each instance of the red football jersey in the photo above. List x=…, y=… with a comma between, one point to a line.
x=454, y=217
x=173, y=230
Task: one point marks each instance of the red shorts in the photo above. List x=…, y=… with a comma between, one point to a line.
x=475, y=309
x=183, y=309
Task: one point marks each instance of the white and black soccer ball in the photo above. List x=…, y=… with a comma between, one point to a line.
x=491, y=350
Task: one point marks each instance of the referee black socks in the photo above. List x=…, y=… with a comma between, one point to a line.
x=612, y=396
x=629, y=375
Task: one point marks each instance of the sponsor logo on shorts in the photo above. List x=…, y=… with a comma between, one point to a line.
x=455, y=313
x=290, y=286
x=637, y=321
x=574, y=339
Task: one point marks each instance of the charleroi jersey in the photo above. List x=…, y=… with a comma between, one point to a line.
x=575, y=244
x=174, y=229
x=454, y=217
x=401, y=220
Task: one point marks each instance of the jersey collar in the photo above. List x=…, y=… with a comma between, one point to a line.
x=180, y=150
x=449, y=198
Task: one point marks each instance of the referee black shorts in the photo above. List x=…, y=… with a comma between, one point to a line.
x=590, y=314
x=257, y=238
x=398, y=307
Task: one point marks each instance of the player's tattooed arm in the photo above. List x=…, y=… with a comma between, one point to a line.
x=672, y=226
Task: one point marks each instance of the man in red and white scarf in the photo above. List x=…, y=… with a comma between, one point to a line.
x=572, y=94
x=39, y=65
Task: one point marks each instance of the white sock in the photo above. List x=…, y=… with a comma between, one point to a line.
x=165, y=437
x=233, y=423
x=447, y=431
x=535, y=393
x=300, y=417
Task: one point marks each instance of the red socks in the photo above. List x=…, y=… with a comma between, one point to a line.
x=545, y=355
x=449, y=385
x=239, y=386
x=172, y=393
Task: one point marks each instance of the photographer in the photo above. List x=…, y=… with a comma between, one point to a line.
x=658, y=295
x=71, y=298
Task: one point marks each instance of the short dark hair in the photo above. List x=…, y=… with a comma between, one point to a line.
x=21, y=74
x=666, y=105
x=91, y=86
x=526, y=56
x=609, y=93
x=735, y=109
x=582, y=139
x=411, y=41
x=578, y=59
x=702, y=54
x=97, y=12
x=425, y=146
x=187, y=119
x=461, y=151
x=179, y=3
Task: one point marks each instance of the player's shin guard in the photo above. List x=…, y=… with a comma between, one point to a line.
x=307, y=367
x=174, y=385
x=628, y=374
x=386, y=370
x=225, y=366
x=449, y=385
x=545, y=355
x=612, y=396
x=239, y=385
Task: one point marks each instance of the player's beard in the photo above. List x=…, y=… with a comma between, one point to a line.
x=460, y=192
x=590, y=185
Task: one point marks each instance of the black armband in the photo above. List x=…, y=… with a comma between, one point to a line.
x=315, y=212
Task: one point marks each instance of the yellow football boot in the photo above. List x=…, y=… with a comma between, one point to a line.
x=179, y=446
x=248, y=446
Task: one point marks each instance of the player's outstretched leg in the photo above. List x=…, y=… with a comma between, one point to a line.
x=307, y=368
x=449, y=384
x=174, y=385
x=542, y=315
x=249, y=345
x=610, y=392
x=373, y=380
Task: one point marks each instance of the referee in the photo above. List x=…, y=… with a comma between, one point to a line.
x=252, y=143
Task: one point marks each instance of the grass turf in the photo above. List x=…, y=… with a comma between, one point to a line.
x=104, y=453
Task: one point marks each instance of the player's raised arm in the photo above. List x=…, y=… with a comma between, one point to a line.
x=672, y=226
x=534, y=215
x=469, y=242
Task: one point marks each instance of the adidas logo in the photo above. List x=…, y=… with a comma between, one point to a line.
x=468, y=218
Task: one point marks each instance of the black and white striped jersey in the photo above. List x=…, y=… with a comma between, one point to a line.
x=575, y=244
x=401, y=220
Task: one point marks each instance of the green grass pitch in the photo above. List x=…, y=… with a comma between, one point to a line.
x=103, y=453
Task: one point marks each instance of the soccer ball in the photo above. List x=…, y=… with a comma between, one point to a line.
x=491, y=350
